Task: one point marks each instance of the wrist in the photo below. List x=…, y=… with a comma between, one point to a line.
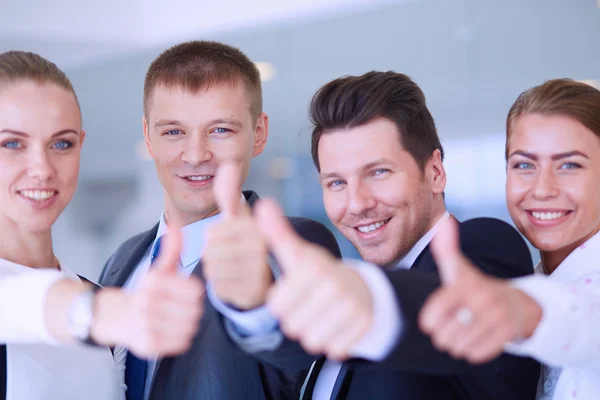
x=110, y=306
x=531, y=314
x=81, y=315
x=362, y=291
x=58, y=302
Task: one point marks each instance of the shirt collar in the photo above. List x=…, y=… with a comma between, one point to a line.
x=69, y=273
x=192, y=235
x=18, y=268
x=410, y=258
x=580, y=262
x=539, y=268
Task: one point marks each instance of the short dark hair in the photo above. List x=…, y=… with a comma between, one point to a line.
x=352, y=101
x=199, y=65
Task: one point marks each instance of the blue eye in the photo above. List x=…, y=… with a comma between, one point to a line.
x=570, y=165
x=523, y=165
x=221, y=130
x=12, y=144
x=63, y=145
x=173, y=132
x=380, y=171
x=335, y=183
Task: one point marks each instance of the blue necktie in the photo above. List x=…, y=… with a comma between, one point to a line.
x=135, y=368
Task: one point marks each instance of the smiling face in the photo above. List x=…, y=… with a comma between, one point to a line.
x=374, y=191
x=552, y=188
x=40, y=147
x=189, y=134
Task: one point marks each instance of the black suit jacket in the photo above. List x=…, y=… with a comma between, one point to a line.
x=214, y=367
x=415, y=370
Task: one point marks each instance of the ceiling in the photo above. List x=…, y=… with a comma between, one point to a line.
x=77, y=33
x=471, y=57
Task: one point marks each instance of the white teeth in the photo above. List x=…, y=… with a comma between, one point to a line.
x=37, y=195
x=372, y=227
x=546, y=216
x=199, y=177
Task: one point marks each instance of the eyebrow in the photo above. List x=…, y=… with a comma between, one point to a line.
x=165, y=122
x=56, y=134
x=328, y=175
x=229, y=121
x=372, y=164
x=554, y=157
x=217, y=121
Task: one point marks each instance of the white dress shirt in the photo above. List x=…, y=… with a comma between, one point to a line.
x=568, y=335
x=37, y=367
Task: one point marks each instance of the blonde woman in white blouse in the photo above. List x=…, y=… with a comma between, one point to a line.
x=42, y=302
x=553, y=195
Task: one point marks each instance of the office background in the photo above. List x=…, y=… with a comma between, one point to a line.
x=471, y=57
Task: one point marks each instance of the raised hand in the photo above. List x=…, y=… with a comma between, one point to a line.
x=161, y=316
x=235, y=256
x=473, y=316
x=318, y=301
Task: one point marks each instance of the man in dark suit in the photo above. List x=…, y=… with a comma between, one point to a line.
x=203, y=111
x=380, y=160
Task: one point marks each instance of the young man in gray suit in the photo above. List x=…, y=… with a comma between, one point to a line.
x=203, y=123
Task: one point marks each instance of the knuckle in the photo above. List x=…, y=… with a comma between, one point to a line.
x=310, y=344
x=289, y=328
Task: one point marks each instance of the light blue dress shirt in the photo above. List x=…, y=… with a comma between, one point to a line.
x=245, y=323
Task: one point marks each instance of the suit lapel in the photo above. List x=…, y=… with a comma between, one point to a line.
x=425, y=262
x=205, y=321
x=251, y=197
x=312, y=379
x=419, y=261
x=122, y=268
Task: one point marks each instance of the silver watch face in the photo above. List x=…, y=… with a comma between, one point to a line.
x=81, y=315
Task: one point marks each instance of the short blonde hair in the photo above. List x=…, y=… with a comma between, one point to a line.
x=201, y=64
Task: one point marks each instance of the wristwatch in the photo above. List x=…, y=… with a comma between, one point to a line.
x=80, y=317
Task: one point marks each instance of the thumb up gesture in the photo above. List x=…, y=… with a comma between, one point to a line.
x=161, y=316
x=318, y=301
x=235, y=255
x=472, y=316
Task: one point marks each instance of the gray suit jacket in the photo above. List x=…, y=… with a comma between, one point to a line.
x=215, y=367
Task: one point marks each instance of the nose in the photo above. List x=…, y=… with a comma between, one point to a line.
x=197, y=151
x=40, y=165
x=545, y=186
x=361, y=198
